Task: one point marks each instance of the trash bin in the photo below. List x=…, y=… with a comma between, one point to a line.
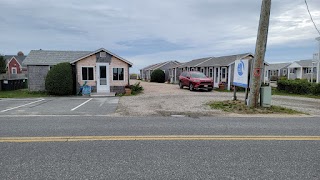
x=265, y=96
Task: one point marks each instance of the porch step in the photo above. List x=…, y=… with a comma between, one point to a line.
x=110, y=94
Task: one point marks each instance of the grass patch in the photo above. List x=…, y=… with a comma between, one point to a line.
x=240, y=108
x=21, y=93
x=275, y=91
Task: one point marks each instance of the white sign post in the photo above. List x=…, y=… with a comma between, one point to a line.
x=241, y=72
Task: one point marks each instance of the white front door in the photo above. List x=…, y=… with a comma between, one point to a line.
x=103, y=84
x=216, y=78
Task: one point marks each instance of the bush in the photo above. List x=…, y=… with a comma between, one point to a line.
x=297, y=86
x=59, y=80
x=136, y=88
x=2, y=64
x=158, y=76
x=316, y=89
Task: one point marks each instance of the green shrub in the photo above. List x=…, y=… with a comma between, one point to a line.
x=2, y=64
x=136, y=88
x=158, y=76
x=59, y=80
x=316, y=89
x=297, y=86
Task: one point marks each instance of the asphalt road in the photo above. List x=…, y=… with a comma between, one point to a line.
x=159, y=159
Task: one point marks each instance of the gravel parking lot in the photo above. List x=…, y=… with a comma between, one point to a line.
x=167, y=99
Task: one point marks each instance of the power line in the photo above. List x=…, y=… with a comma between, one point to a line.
x=311, y=17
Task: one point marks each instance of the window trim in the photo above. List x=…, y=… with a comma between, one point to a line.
x=225, y=73
x=14, y=68
x=211, y=72
x=94, y=76
x=124, y=74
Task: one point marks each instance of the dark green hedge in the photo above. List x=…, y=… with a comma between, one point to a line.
x=298, y=86
x=59, y=80
x=158, y=76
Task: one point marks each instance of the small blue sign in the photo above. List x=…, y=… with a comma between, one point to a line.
x=240, y=68
x=86, y=90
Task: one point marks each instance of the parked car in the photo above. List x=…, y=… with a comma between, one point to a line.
x=195, y=80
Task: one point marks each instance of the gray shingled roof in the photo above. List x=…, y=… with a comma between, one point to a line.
x=277, y=66
x=222, y=61
x=145, y=68
x=194, y=62
x=45, y=57
x=305, y=63
x=156, y=65
x=19, y=58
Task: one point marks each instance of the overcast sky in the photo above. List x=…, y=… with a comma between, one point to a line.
x=151, y=31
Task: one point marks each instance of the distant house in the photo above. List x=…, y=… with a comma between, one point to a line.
x=15, y=68
x=274, y=71
x=102, y=70
x=145, y=73
x=220, y=69
x=303, y=69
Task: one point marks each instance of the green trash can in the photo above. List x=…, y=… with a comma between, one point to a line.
x=265, y=96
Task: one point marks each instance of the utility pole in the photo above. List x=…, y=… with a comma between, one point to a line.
x=258, y=61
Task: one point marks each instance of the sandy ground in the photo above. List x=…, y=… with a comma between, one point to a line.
x=168, y=99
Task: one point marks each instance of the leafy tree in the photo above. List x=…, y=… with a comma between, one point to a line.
x=158, y=76
x=59, y=80
x=2, y=64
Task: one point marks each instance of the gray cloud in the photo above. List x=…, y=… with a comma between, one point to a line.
x=186, y=28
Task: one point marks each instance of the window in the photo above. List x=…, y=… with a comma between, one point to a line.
x=307, y=70
x=223, y=72
x=118, y=74
x=292, y=70
x=14, y=70
x=284, y=72
x=211, y=72
x=87, y=73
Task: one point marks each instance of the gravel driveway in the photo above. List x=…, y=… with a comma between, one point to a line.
x=167, y=99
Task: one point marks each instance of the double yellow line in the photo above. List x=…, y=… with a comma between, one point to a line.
x=158, y=138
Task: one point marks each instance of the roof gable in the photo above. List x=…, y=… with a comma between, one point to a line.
x=294, y=65
x=13, y=58
x=99, y=50
x=20, y=59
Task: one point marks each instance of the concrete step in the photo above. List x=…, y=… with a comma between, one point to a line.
x=110, y=94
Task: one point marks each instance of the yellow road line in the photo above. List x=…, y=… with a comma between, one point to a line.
x=159, y=138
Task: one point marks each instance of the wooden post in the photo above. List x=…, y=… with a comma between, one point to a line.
x=258, y=62
x=234, y=93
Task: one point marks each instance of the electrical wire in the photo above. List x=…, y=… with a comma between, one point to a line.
x=311, y=17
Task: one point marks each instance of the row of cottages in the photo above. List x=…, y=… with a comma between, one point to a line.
x=274, y=71
x=14, y=67
x=104, y=71
x=145, y=73
x=220, y=69
x=303, y=69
